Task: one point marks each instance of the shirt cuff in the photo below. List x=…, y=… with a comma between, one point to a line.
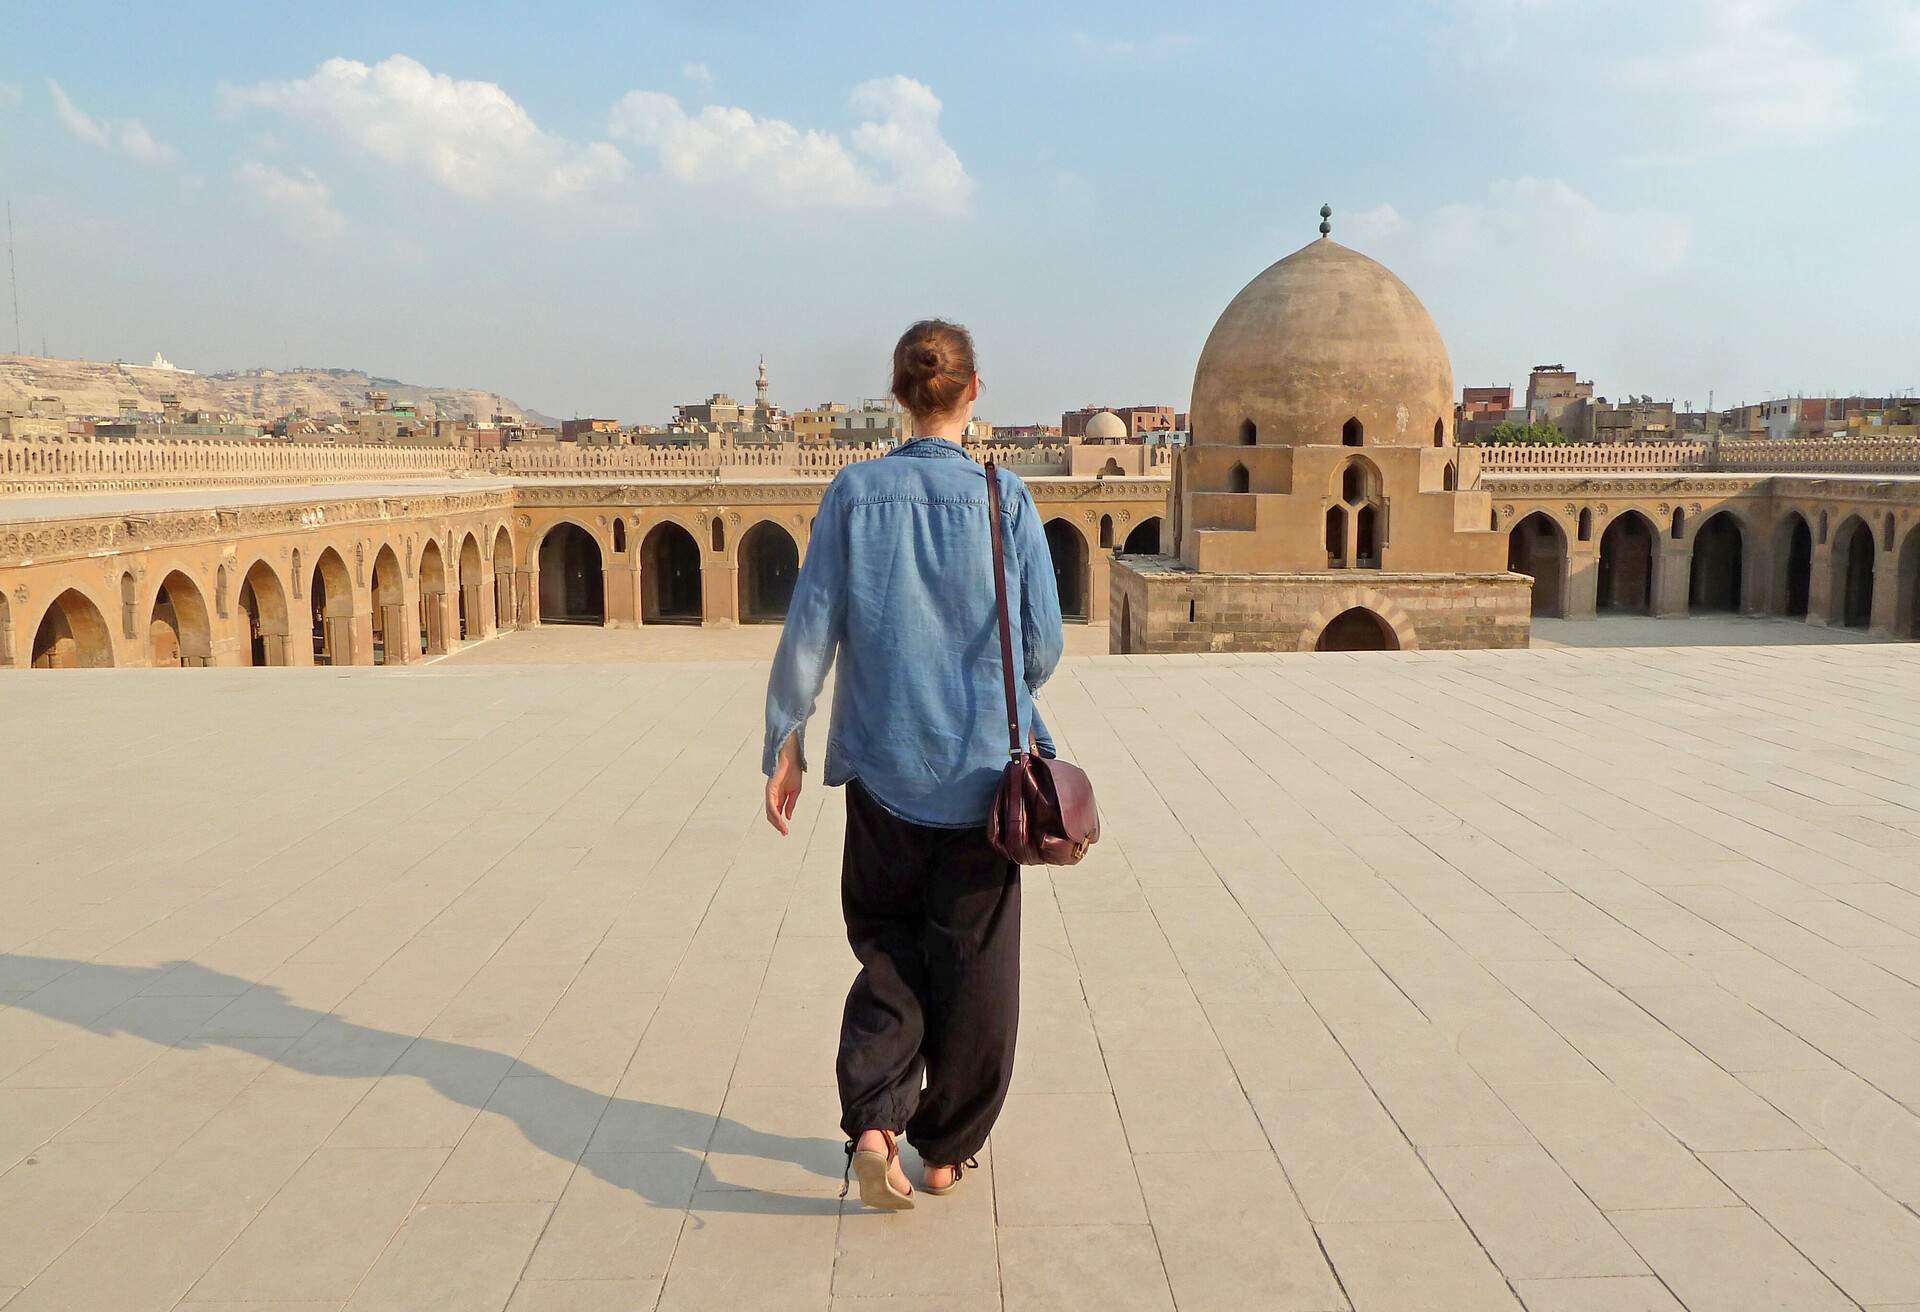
x=777, y=735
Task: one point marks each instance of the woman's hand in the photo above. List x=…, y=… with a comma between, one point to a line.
x=783, y=785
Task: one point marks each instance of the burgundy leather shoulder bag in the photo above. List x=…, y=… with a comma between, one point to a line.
x=1043, y=813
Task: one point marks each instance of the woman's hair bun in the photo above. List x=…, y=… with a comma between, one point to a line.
x=933, y=366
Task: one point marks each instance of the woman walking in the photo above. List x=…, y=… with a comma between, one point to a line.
x=898, y=582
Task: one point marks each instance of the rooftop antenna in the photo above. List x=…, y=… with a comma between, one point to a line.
x=13, y=280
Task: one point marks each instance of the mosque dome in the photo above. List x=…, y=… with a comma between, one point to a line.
x=1326, y=347
x=1106, y=427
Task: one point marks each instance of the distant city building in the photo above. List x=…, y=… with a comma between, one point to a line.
x=720, y=413
x=874, y=420
x=1136, y=419
x=1557, y=395
x=591, y=431
x=127, y=430
x=1636, y=419
x=815, y=423
x=1027, y=434
x=1483, y=409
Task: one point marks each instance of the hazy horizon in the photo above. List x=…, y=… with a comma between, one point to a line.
x=604, y=210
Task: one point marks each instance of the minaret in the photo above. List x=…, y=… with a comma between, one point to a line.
x=760, y=387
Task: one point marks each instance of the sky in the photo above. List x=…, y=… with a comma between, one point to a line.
x=608, y=209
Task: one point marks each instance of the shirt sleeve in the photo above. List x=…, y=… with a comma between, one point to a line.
x=1041, y=636
x=811, y=635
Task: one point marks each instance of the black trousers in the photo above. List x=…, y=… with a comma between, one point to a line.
x=934, y=917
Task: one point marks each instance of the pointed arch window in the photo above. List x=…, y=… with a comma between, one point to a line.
x=1439, y=432
x=1353, y=433
x=1586, y=524
x=1238, y=480
x=1249, y=432
x=1361, y=513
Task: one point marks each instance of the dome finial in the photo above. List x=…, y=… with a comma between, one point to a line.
x=1326, y=228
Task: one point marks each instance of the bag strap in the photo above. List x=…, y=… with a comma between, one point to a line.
x=1000, y=604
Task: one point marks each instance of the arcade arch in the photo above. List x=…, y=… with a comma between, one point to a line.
x=769, y=564
x=71, y=635
x=572, y=577
x=1626, y=565
x=670, y=582
x=1068, y=548
x=1537, y=547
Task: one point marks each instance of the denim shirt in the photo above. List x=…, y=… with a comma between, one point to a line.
x=898, y=580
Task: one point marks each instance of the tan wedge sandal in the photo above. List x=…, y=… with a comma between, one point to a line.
x=876, y=1176
x=959, y=1169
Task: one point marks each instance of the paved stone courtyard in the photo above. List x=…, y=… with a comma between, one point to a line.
x=1581, y=980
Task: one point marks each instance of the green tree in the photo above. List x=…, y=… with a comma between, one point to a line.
x=1514, y=433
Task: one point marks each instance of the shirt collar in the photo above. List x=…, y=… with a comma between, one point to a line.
x=930, y=446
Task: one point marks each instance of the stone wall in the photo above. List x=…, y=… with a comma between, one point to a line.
x=1158, y=606
x=63, y=465
x=43, y=465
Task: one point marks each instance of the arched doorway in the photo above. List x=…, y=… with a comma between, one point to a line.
x=1537, y=548
x=72, y=635
x=178, y=631
x=1719, y=553
x=1853, y=575
x=1906, y=611
x=472, y=622
x=1626, y=565
x=1358, y=629
x=572, y=585
x=264, y=602
x=670, y=590
x=769, y=563
x=433, y=600
x=331, y=598
x=1069, y=551
x=503, y=609
x=1143, y=539
x=390, y=625
x=1793, y=566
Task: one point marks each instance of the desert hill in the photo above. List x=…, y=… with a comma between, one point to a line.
x=95, y=389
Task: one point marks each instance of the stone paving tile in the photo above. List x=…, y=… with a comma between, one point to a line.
x=1727, y=1259
x=452, y=1255
x=1414, y=1266
x=1083, y=1268
x=526, y=1009
x=1597, y=1294
x=1232, y=1235
x=1867, y=1244
x=1533, y=1220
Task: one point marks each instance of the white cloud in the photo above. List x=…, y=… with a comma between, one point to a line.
x=470, y=137
x=1539, y=230
x=1376, y=224
x=697, y=72
x=303, y=204
x=1679, y=80
x=1752, y=80
x=895, y=156
x=1477, y=32
x=129, y=136
x=1124, y=48
x=1902, y=21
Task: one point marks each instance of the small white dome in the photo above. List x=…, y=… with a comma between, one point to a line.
x=1106, y=427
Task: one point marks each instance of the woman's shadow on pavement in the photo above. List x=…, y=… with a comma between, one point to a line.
x=555, y=1115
